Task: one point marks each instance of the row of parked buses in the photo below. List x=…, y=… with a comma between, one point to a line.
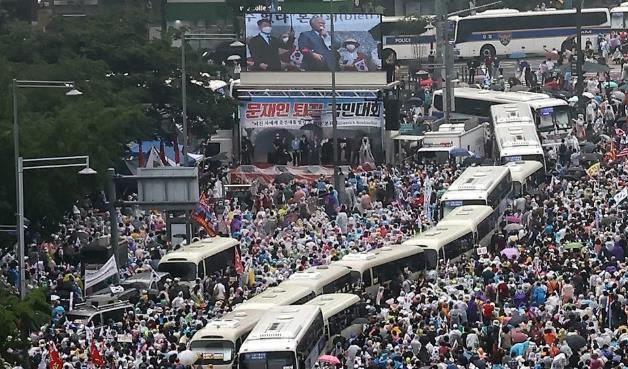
x=291, y=324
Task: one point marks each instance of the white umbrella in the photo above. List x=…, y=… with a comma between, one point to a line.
x=216, y=84
x=573, y=99
x=588, y=94
x=187, y=357
x=234, y=57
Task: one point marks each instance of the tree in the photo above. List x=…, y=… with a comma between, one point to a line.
x=131, y=90
x=409, y=26
x=18, y=318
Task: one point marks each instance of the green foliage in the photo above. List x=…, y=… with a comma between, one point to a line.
x=18, y=318
x=408, y=26
x=126, y=96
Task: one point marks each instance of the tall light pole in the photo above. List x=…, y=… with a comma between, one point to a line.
x=15, y=85
x=334, y=120
x=32, y=164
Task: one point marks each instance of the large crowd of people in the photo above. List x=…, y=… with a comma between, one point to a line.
x=556, y=299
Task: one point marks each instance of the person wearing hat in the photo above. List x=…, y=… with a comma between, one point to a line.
x=264, y=48
x=350, y=58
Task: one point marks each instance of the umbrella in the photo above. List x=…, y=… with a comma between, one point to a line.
x=552, y=56
x=588, y=94
x=590, y=67
x=518, y=319
x=519, y=88
x=360, y=321
x=284, y=178
x=573, y=99
x=234, y=57
x=187, y=357
x=216, y=84
x=609, y=220
x=575, y=342
x=623, y=87
x=589, y=156
x=517, y=55
x=573, y=245
x=512, y=227
x=618, y=95
x=510, y=252
x=609, y=84
x=329, y=359
x=459, y=151
x=588, y=147
x=604, y=137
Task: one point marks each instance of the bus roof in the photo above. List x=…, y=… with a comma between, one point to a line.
x=532, y=99
x=517, y=139
x=279, y=330
x=438, y=236
x=275, y=296
x=512, y=113
x=333, y=303
x=478, y=179
x=466, y=215
x=365, y=260
x=316, y=277
x=521, y=170
x=500, y=13
x=230, y=327
x=197, y=251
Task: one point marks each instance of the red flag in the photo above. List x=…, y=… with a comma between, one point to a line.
x=140, y=157
x=237, y=262
x=162, y=152
x=199, y=215
x=95, y=355
x=55, y=359
x=177, y=157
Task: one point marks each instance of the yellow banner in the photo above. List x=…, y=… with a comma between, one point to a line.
x=593, y=169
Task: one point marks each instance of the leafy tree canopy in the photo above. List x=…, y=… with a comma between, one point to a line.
x=131, y=90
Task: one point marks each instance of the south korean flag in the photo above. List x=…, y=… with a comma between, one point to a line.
x=361, y=66
x=296, y=58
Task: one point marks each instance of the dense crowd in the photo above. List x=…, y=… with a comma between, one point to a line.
x=552, y=297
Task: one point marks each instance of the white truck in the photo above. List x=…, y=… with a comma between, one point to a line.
x=453, y=141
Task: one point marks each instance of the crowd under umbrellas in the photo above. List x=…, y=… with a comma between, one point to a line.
x=548, y=293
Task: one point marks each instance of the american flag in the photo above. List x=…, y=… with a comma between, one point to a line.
x=623, y=153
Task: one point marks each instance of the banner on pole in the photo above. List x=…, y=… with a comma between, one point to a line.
x=93, y=277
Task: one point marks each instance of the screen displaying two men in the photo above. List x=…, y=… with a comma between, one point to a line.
x=304, y=42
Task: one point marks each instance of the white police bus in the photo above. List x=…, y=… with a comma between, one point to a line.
x=552, y=117
x=456, y=234
x=506, y=31
x=489, y=185
x=286, y=337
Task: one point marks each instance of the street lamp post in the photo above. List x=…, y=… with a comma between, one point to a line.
x=15, y=85
x=40, y=163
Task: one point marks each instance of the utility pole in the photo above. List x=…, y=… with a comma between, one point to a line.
x=113, y=218
x=580, y=56
x=445, y=57
x=334, y=120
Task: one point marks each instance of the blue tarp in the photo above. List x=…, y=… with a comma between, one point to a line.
x=134, y=148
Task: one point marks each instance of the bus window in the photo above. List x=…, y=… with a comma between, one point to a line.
x=305, y=299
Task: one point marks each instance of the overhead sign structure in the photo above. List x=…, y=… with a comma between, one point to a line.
x=304, y=42
x=306, y=113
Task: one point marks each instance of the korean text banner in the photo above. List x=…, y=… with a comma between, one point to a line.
x=303, y=42
x=301, y=113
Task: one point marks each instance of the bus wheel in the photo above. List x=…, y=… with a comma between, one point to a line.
x=488, y=50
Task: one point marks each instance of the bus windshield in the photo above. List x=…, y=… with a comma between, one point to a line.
x=268, y=360
x=551, y=118
x=213, y=352
x=450, y=205
x=184, y=270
